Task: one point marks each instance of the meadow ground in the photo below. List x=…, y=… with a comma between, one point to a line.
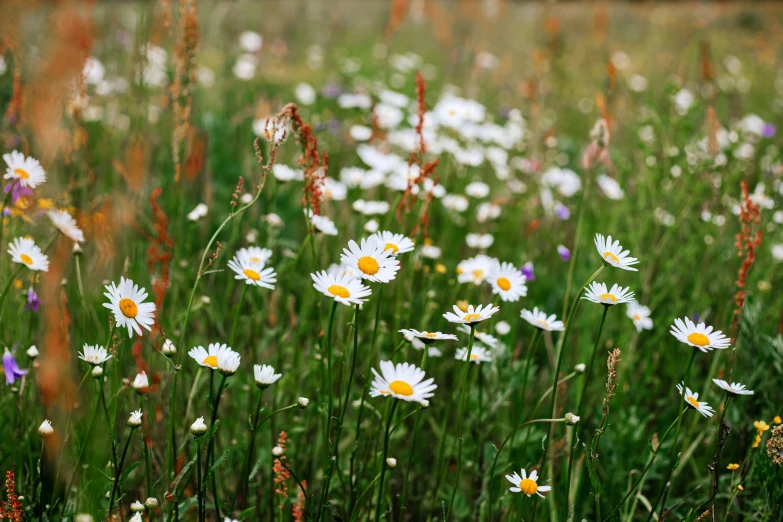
x=189, y=332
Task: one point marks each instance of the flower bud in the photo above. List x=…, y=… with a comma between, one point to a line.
x=168, y=348
x=580, y=368
x=45, y=430
x=571, y=419
x=137, y=507
x=32, y=352
x=278, y=451
x=303, y=402
x=97, y=372
x=424, y=403
x=134, y=421
x=198, y=428
x=392, y=463
x=151, y=503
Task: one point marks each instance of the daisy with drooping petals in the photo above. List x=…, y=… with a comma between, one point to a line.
x=228, y=362
x=254, y=254
x=343, y=288
x=598, y=293
x=94, y=355
x=373, y=261
x=699, y=336
x=403, y=381
x=472, y=315
x=253, y=273
x=692, y=400
x=640, y=315
x=126, y=301
x=265, y=375
x=478, y=354
x=397, y=243
x=527, y=485
x=428, y=337
x=475, y=269
x=25, y=171
x=25, y=252
x=507, y=282
x=485, y=338
x=209, y=357
x=734, y=388
x=66, y=224
x=613, y=253
x=540, y=320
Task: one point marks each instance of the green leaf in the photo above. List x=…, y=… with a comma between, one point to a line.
x=246, y=513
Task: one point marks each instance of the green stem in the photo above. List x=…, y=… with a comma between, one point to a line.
x=201, y=510
x=236, y=316
x=10, y=281
x=673, y=451
x=329, y=394
x=644, y=471
x=211, y=447
x=579, y=412
x=460, y=420
x=246, y=483
x=2, y=217
x=116, y=484
x=379, y=502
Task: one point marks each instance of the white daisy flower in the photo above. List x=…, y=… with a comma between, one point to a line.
x=502, y=328
x=699, y=336
x=479, y=241
x=140, y=382
x=598, y=293
x=507, y=282
x=428, y=337
x=478, y=354
x=613, y=253
x=94, y=355
x=208, y=357
x=397, y=243
x=343, y=288
x=27, y=171
x=734, y=388
x=477, y=189
x=126, y=301
x=322, y=224
x=66, y=224
x=265, y=375
x=540, y=320
x=475, y=269
x=253, y=273
x=372, y=259
x=485, y=338
x=692, y=400
x=24, y=251
x=134, y=421
x=228, y=362
x=254, y=255
x=527, y=485
x=472, y=315
x=403, y=381
x=340, y=269
x=430, y=251
x=640, y=315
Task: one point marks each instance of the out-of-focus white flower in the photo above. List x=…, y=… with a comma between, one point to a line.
x=245, y=67
x=683, y=101
x=199, y=212
x=610, y=187
x=305, y=93
x=480, y=241
x=360, y=132
x=250, y=41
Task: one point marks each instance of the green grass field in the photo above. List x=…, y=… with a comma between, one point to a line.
x=166, y=133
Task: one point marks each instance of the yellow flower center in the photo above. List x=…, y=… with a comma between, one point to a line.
x=462, y=305
x=698, y=339
x=608, y=297
x=528, y=486
x=211, y=360
x=478, y=273
x=504, y=283
x=368, y=265
x=693, y=402
x=542, y=323
x=27, y=260
x=608, y=256
x=452, y=113
x=128, y=308
x=401, y=388
x=474, y=357
x=471, y=317
x=22, y=174
x=252, y=274
x=255, y=259
x=459, y=270
x=636, y=317
x=430, y=335
x=339, y=291
x=391, y=246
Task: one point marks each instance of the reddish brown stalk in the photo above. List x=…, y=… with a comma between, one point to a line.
x=315, y=163
x=747, y=242
x=181, y=89
x=281, y=473
x=11, y=509
x=159, y=255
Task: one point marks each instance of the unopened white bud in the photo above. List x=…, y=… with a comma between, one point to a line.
x=45, y=430
x=151, y=503
x=168, y=348
x=32, y=352
x=580, y=368
x=97, y=372
x=137, y=507
x=278, y=451
x=198, y=428
x=425, y=403
x=392, y=463
x=571, y=419
x=134, y=421
x=303, y=402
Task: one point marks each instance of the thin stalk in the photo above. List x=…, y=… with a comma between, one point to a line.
x=673, y=451
x=500, y=449
x=298, y=482
x=368, y=488
x=460, y=420
x=236, y=315
x=200, y=491
x=2, y=209
x=579, y=413
x=8, y=284
x=644, y=471
x=211, y=446
x=329, y=394
x=116, y=484
x=379, y=502
x=246, y=482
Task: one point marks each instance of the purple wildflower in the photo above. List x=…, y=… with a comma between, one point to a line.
x=17, y=191
x=527, y=271
x=10, y=368
x=562, y=212
x=331, y=90
x=696, y=318
x=333, y=126
x=564, y=253
x=769, y=130
x=32, y=301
